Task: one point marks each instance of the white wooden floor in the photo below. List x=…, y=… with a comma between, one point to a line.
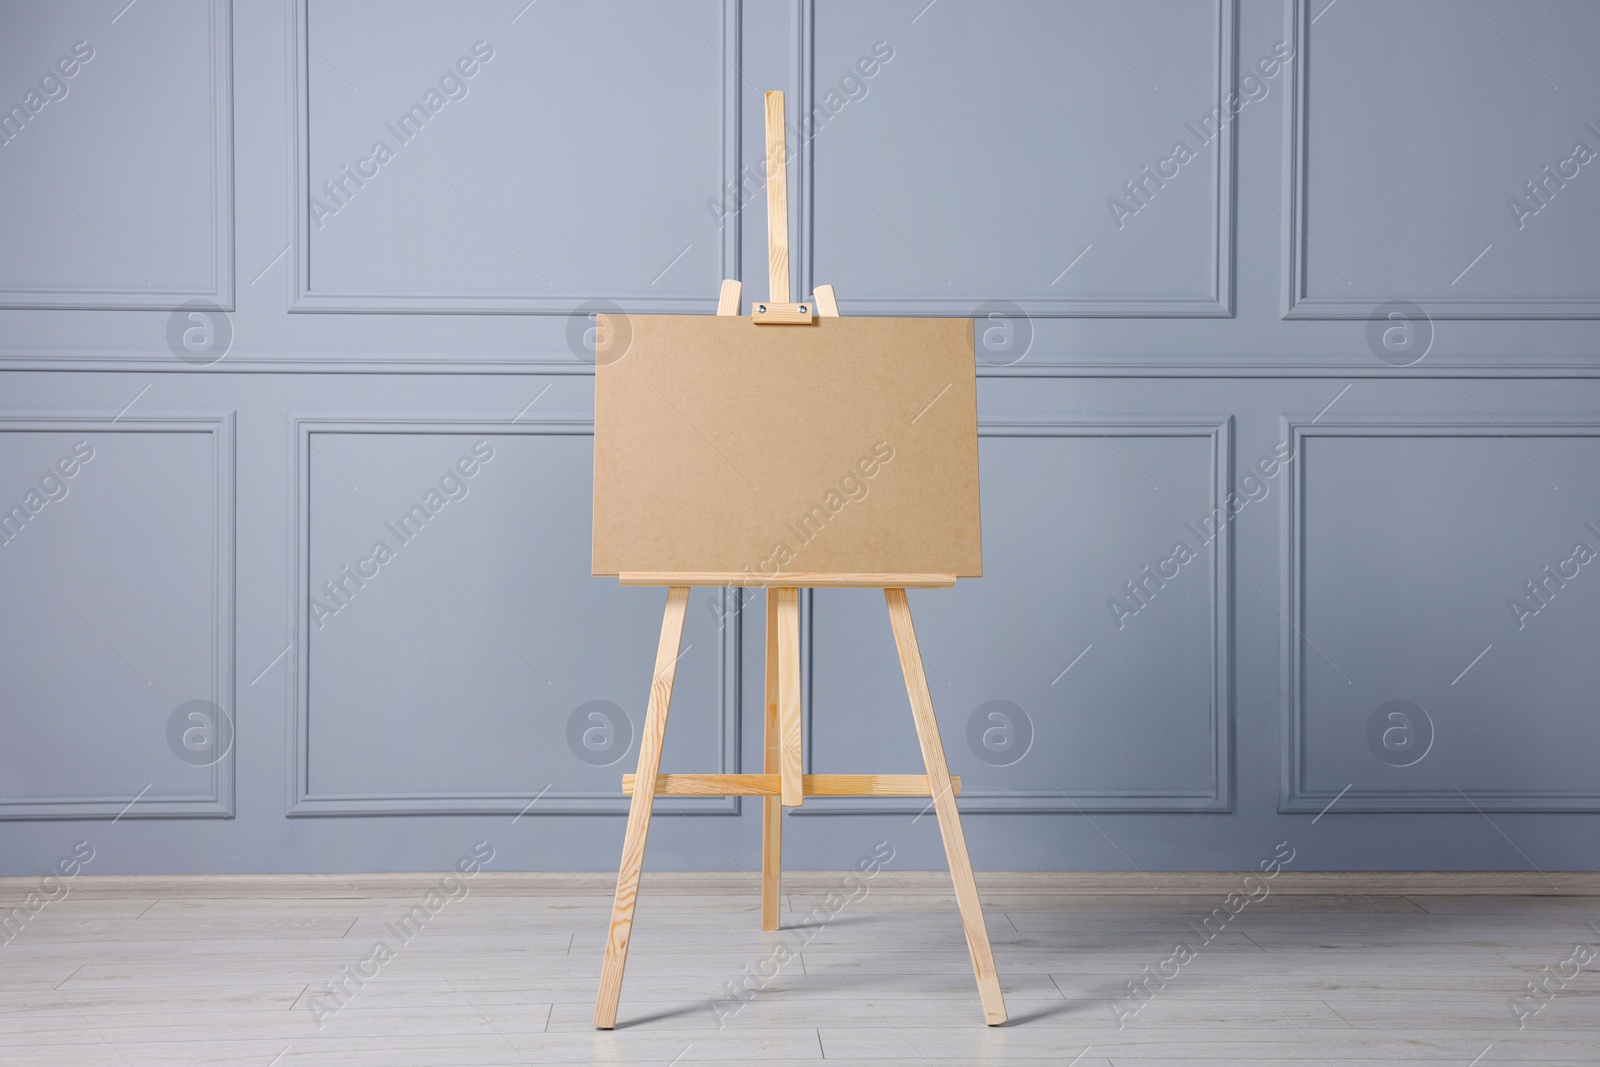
x=158, y=972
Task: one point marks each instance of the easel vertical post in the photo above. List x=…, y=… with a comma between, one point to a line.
x=777, y=201
x=772, y=807
x=790, y=763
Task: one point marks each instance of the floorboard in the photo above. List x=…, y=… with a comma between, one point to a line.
x=187, y=973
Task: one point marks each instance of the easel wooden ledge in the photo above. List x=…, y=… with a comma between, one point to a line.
x=783, y=784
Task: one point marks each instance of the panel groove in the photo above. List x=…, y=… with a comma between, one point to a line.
x=1295, y=794
x=1217, y=304
x=151, y=297
x=1297, y=304
x=1020, y=802
x=309, y=299
x=302, y=801
x=218, y=802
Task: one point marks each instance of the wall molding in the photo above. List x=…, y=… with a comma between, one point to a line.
x=1295, y=794
x=218, y=801
x=302, y=801
x=1057, y=359
x=1219, y=432
x=1267, y=368
x=1297, y=304
x=221, y=291
x=1217, y=304
x=308, y=299
x=600, y=884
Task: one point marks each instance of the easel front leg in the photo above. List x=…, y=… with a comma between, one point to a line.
x=772, y=807
x=944, y=803
x=655, y=729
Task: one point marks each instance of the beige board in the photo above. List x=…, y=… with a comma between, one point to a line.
x=847, y=446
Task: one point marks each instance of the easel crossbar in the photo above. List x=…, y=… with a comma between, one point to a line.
x=724, y=579
x=771, y=785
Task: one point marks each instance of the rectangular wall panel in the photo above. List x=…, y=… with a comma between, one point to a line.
x=459, y=657
x=1426, y=672
x=967, y=164
x=1036, y=668
x=1434, y=158
x=1403, y=644
x=146, y=96
x=116, y=572
x=458, y=164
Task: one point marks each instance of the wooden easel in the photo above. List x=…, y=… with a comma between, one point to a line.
x=782, y=783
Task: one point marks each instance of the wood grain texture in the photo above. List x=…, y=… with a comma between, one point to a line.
x=777, y=200
x=770, y=785
x=955, y=842
x=771, y=763
x=728, y=300
x=633, y=841
x=827, y=304
x=790, y=762
x=801, y=580
x=775, y=314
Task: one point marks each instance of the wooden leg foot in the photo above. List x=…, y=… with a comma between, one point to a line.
x=655, y=728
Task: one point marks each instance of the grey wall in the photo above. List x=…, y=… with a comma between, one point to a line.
x=1219, y=343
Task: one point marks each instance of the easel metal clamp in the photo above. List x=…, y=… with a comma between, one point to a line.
x=770, y=314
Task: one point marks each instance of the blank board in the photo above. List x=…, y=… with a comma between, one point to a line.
x=849, y=446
